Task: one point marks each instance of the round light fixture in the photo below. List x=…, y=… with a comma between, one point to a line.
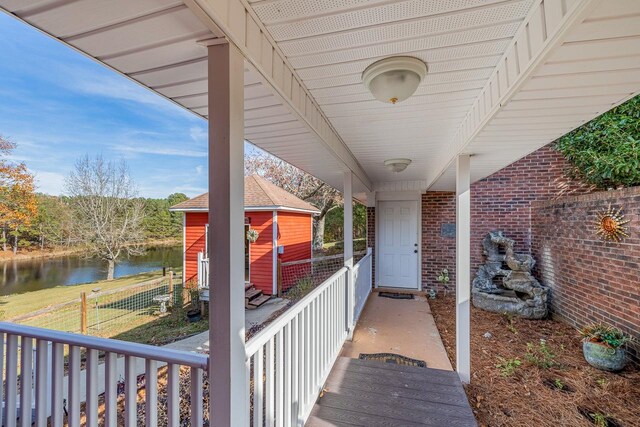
x=394, y=79
x=397, y=165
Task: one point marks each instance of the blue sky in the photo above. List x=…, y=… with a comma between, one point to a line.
x=58, y=105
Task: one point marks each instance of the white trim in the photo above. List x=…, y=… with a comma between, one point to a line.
x=402, y=197
x=254, y=209
x=274, y=248
x=184, y=248
x=247, y=227
x=463, y=267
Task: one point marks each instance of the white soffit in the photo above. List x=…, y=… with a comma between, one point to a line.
x=595, y=67
x=155, y=43
x=330, y=43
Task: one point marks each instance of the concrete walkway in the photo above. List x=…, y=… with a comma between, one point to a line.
x=401, y=326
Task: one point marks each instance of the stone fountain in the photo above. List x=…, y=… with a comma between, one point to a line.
x=518, y=293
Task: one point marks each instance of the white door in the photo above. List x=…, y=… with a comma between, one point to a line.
x=398, y=244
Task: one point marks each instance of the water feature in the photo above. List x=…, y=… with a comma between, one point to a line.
x=31, y=275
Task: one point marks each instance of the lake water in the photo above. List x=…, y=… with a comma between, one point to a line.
x=30, y=275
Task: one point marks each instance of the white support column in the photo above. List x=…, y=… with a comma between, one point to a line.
x=348, y=247
x=463, y=267
x=226, y=245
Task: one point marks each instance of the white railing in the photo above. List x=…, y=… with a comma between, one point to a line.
x=203, y=271
x=62, y=384
x=288, y=362
x=362, y=275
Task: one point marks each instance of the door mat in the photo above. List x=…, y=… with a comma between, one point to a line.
x=395, y=295
x=394, y=359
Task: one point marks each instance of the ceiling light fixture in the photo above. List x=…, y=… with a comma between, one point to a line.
x=397, y=165
x=394, y=79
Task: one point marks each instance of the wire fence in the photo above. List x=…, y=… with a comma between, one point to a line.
x=299, y=277
x=109, y=313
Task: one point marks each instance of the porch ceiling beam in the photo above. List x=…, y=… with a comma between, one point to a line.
x=542, y=31
x=245, y=30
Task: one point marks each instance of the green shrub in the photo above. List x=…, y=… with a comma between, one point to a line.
x=540, y=355
x=605, y=152
x=508, y=367
x=605, y=334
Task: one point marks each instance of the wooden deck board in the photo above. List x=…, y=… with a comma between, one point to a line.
x=370, y=393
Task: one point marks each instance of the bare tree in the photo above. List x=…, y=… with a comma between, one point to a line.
x=298, y=183
x=108, y=213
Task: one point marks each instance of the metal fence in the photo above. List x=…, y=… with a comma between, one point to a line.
x=110, y=312
x=298, y=277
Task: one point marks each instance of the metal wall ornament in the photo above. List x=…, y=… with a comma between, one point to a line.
x=611, y=224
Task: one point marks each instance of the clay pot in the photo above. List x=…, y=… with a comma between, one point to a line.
x=194, y=315
x=603, y=357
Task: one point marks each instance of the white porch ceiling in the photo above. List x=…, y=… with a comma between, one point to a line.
x=505, y=76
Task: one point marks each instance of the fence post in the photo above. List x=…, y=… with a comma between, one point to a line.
x=279, y=266
x=83, y=313
x=170, y=287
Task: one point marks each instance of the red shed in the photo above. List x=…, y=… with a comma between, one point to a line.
x=280, y=218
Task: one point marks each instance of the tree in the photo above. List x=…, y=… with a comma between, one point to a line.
x=298, y=183
x=108, y=214
x=605, y=152
x=53, y=222
x=18, y=204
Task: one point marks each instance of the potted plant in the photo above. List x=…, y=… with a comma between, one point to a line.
x=193, y=313
x=603, y=347
x=252, y=235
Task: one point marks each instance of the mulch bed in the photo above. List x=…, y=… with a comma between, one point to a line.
x=568, y=393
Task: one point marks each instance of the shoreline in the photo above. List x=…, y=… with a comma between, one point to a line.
x=55, y=252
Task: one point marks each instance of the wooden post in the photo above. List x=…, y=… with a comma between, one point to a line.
x=347, y=193
x=83, y=313
x=279, y=273
x=170, y=287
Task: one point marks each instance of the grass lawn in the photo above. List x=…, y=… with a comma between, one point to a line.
x=23, y=303
x=164, y=330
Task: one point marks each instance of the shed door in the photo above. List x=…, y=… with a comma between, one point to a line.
x=398, y=244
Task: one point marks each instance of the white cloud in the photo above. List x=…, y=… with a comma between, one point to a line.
x=199, y=170
x=50, y=182
x=198, y=133
x=163, y=151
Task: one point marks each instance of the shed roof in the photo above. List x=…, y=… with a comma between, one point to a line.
x=258, y=193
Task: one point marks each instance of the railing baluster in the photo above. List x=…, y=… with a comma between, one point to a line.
x=173, y=398
x=11, y=381
x=73, y=401
x=57, y=378
x=130, y=392
x=197, y=409
x=258, y=388
x=111, y=389
x=287, y=375
x=26, y=381
x=151, y=393
x=91, y=409
x=248, y=390
x=42, y=376
x=2, y=382
x=306, y=371
x=294, y=371
x=279, y=379
x=268, y=383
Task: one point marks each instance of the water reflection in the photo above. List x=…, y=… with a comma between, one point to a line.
x=31, y=275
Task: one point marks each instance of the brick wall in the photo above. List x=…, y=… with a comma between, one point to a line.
x=591, y=280
x=371, y=240
x=501, y=201
x=438, y=252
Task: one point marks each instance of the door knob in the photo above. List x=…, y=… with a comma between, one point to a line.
x=415, y=251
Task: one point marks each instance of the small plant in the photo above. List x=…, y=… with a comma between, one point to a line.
x=508, y=367
x=510, y=323
x=540, y=355
x=443, y=278
x=606, y=335
x=599, y=419
x=558, y=383
x=601, y=382
x=300, y=289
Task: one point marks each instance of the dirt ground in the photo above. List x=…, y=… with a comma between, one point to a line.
x=537, y=383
